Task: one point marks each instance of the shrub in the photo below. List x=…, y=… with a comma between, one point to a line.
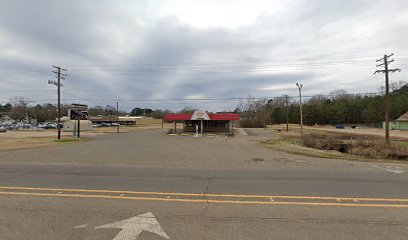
x=365, y=148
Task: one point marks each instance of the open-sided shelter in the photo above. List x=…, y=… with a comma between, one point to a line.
x=204, y=121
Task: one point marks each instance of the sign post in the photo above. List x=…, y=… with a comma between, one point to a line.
x=79, y=112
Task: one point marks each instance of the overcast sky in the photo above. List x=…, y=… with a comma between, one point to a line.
x=159, y=52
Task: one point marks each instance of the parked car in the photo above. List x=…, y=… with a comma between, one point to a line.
x=42, y=125
x=105, y=124
x=50, y=126
x=3, y=129
x=340, y=126
x=24, y=125
x=10, y=126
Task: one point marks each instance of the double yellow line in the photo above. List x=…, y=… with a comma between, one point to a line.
x=207, y=198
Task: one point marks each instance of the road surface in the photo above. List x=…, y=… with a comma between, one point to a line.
x=148, y=185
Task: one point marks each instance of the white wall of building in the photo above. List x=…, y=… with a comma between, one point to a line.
x=71, y=125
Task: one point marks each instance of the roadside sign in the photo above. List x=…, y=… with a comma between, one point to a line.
x=77, y=114
x=79, y=106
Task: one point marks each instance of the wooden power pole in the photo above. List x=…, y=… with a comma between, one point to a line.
x=301, y=108
x=386, y=71
x=60, y=76
x=287, y=113
x=117, y=117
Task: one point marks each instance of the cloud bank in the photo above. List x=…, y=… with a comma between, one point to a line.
x=154, y=53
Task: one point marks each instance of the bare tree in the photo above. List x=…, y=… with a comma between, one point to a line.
x=188, y=109
x=254, y=113
x=19, y=110
x=339, y=94
x=159, y=113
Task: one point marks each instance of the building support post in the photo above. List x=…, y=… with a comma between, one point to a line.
x=202, y=126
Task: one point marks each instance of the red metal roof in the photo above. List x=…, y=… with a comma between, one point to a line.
x=224, y=116
x=177, y=117
x=213, y=116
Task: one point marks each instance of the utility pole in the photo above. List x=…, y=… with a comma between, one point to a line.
x=287, y=113
x=301, y=110
x=117, y=117
x=386, y=71
x=60, y=76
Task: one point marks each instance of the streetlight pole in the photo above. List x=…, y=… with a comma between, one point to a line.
x=301, y=113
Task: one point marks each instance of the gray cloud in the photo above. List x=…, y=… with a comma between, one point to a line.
x=125, y=51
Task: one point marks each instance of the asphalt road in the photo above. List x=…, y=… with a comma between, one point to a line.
x=196, y=188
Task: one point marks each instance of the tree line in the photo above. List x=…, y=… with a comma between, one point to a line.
x=337, y=108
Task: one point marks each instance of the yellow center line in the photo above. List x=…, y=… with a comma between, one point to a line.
x=100, y=191
x=205, y=198
x=202, y=194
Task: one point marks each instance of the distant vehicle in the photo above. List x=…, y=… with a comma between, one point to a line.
x=10, y=126
x=95, y=125
x=340, y=126
x=25, y=126
x=353, y=126
x=42, y=125
x=105, y=124
x=3, y=129
x=50, y=126
x=115, y=124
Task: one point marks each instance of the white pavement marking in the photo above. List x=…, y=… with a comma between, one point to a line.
x=81, y=226
x=133, y=227
x=390, y=169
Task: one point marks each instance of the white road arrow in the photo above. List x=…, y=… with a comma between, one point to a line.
x=133, y=227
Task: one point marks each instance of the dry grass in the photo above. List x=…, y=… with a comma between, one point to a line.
x=337, y=144
x=379, y=149
x=369, y=148
x=13, y=140
x=124, y=129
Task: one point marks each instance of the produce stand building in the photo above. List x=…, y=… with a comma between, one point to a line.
x=202, y=121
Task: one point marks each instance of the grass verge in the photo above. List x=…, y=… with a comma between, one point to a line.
x=291, y=142
x=295, y=147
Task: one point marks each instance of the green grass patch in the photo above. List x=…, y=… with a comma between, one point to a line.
x=70, y=140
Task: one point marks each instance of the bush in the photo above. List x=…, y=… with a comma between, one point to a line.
x=365, y=148
x=322, y=142
x=379, y=149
